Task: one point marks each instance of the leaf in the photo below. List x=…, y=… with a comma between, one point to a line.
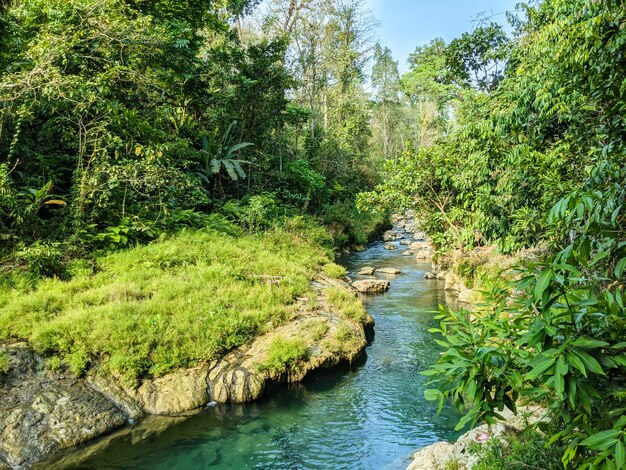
x=601, y=440
x=591, y=364
x=55, y=202
x=589, y=343
x=619, y=267
x=542, y=366
x=432, y=394
x=620, y=455
x=230, y=169
x=542, y=283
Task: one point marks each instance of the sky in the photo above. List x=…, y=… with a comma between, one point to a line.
x=405, y=24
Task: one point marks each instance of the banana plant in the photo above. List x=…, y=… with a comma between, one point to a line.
x=223, y=156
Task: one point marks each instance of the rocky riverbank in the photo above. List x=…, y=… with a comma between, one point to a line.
x=45, y=413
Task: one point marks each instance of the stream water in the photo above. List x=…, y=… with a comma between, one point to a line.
x=371, y=416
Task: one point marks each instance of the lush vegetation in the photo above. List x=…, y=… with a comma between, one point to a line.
x=133, y=133
x=123, y=119
x=534, y=155
x=176, y=302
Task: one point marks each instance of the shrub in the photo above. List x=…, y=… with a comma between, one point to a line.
x=43, y=259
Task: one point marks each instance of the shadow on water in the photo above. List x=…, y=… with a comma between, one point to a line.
x=368, y=415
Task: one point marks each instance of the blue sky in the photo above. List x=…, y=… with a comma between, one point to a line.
x=405, y=24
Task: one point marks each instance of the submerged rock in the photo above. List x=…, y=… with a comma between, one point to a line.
x=371, y=286
x=390, y=246
x=389, y=271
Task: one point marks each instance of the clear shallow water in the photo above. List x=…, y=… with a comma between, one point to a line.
x=372, y=416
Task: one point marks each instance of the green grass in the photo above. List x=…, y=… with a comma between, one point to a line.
x=284, y=354
x=317, y=329
x=346, y=303
x=174, y=303
x=334, y=270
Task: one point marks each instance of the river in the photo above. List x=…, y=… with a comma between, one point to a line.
x=370, y=416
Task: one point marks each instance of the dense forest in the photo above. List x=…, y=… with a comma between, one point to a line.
x=125, y=121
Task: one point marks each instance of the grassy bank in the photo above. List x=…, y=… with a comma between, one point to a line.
x=175, y=302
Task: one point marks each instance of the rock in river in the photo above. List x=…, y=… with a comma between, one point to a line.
x=366, y=271
x=390, y=246
x=389, y=271
x=371, y=286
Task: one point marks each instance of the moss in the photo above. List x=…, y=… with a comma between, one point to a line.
x=284, y=354
x=334, y=270
x=346, y=303
x=174, y=303
x=5, y=362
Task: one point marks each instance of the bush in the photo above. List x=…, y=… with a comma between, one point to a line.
x=43, y=259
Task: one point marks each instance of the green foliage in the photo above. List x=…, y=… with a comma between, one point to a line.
x=518, y=451
x=42, y=259
x=562, y=340
x=173, y=303
x=284, y=354
x=334, y=270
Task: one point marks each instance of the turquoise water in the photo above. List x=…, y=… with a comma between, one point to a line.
x=370, y=416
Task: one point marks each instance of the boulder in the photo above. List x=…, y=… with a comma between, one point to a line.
x=389, y=271
x=405, y=242
x=366, y=271
x=433, y=457
x=390, y=246
x=408, y=253
x=430, y=275
x=371, y=286
x=391, y=235
x=44, y=412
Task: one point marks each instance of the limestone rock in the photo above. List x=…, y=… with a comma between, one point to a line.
x=371, y=286
x=433, y=457
x=405, y=242
x=390, y=246
x=439, y=455
x=43, y=412
x=176, y=393
x=389, y=271
x=366, y=271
